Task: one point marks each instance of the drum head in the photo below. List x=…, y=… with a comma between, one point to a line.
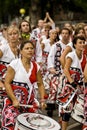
x=36, y=121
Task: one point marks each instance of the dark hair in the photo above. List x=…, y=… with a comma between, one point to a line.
x=25, y=42
x=64, y=28
x=78, y=29
x=76, y=38
x=26, y=22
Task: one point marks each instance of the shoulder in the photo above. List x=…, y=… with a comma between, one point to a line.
x=14, y=63
x=71, y=54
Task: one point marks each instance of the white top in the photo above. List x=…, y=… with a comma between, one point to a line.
x=47, y=47
x=76, y=62
x=51, y=56
x=2, y=39
x=21, y=75
x=70, y=44
x=8, y=55
x=38, y=52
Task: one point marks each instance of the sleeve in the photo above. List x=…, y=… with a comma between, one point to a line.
x=3, y=48
x=70, y=45
x=38, y=52
x=51, y=57
x=14, y=64
x=71, y=55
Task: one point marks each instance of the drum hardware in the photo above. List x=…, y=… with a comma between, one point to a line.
x=78, y=110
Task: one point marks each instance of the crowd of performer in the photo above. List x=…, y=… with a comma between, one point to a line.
x=45, y=67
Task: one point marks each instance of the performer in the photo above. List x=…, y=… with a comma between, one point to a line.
x=26, y=34
x=55, y=68
x=24, y=73
x=85, y=98
x=8, y=51
x=73, y=62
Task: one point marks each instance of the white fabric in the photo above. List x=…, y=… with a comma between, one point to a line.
x=51, y=56
x=20, y=72
x=38, y=52
x=76, y=62
x=8, y=55
x=70, y=44
x=47, y=47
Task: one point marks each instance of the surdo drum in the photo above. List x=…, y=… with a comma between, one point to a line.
x=78, y=110
x=33, y=121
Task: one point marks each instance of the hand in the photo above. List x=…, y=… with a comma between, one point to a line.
x=52, y=71
x=43, y=105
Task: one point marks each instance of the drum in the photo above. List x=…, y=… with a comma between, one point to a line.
x=78, y=112
x=2, y=96
x=66, y=96
x=33, y=121
x=66, y=92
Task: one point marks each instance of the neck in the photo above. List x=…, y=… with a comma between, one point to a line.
x=65, y=42
x=13, y=45
x=26, y=64
x=79, y=54
x=25, y=61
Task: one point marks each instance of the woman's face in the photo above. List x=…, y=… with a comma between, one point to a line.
x=80, y=45
x=24, y=27
x=27, y=51
x=81, y=33
x=13, y=35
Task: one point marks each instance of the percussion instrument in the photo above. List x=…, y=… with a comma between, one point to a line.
x=66, y=96
x=66, y=92
x=34, y=121
x=78, y=110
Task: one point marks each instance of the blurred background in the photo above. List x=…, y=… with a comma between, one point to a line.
x=59, y=10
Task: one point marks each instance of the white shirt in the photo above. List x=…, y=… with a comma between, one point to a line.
x=21, y=75
x=51, y=56
x=8, y=55
x=76, y=62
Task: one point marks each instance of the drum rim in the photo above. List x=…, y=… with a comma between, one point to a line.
x=24, y=125
x=36, y=114
x=75, y=119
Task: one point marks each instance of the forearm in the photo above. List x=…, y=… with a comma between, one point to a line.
x=41, y=90
x=67, y=74
x=9, y=91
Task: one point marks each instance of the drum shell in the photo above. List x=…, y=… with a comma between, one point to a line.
x=30, y=121
x=20, y=126
x=78, y=110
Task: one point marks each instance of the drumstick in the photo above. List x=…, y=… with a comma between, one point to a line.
x=29, y=106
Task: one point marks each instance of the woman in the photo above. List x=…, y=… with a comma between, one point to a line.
x=73, y=62
x=85, y=98
x=24, y=73
x=25, y=34
x=9, y=51
x=78, y=32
